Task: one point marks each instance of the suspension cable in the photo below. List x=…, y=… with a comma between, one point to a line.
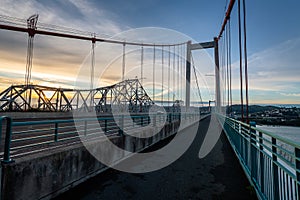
x=169, y=64
x=17, y=24
x=227, y=69
x=230, y=67
x=181, y=71
x=174, y=69
x=142, y=64
x=92, y=65
x=123, y=63
x=246, y=62
x=222, y=69
x=162, y=76
x=196, y=77
x=92, y=71
x=178, y=75
x=153, y=71
x=241, y=59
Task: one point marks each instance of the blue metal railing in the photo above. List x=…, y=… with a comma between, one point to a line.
x=6, y=157
x=24, y=138
x=271, y=162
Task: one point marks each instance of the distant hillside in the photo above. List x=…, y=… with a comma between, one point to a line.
x=253, y=108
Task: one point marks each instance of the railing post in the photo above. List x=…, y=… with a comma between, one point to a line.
x=105, y=126
x=121, y=123
x=297, y=160
x=241, y=140
x=8, y=134
x=85, y=128
x=275, y=170
x=262, y=166
x=56, y=132
x=253, y=151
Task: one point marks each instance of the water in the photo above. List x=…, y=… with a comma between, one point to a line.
x=289, y=132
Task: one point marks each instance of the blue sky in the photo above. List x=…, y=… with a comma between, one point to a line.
x=273, y=37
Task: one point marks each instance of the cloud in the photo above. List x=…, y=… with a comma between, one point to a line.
x=54, y=57
x=275, y=68
x=274, y=73
x=290, y=94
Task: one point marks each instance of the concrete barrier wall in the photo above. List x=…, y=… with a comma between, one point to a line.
x=45, y=175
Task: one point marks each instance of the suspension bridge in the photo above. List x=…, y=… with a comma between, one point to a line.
x=43, y=128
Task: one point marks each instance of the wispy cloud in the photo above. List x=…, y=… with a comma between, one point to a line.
x=290, y=94
x=276, y=68
x=274, y=74
x=56, y=58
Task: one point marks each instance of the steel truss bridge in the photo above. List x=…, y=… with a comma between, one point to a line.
x=128, y=93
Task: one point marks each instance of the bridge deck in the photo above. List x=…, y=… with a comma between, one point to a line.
x=217, y=176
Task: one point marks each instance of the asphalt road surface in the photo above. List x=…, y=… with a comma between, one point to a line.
x=217, y=176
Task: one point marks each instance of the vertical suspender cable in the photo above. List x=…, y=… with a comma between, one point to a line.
x=92, y=71
x=196, y=77
x=182, y=64
x=174, y=69
x=169, y=63
x=241, y=59
x=230, y=69
x=180, y=72
x=178, y=75
x=223, y=69
x=162, y=76
x=227, y=68
x=123, y=63
x=92, y=65
x=246, y=62
x=142, y=64
x=153, y=71
x=220, y=67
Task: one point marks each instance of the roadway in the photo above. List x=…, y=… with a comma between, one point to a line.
x=217, y=176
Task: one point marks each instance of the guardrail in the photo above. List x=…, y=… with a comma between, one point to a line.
x=271, y=162
x=34, y=136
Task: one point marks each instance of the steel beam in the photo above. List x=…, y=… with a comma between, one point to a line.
x=203, y=45
x=80, y=37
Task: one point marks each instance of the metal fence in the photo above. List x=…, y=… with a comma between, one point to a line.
x=271, y=162
x=22, y=138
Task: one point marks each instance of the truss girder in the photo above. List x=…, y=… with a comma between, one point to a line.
x=129, y=94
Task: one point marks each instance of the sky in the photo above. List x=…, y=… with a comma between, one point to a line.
x=273, y=39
